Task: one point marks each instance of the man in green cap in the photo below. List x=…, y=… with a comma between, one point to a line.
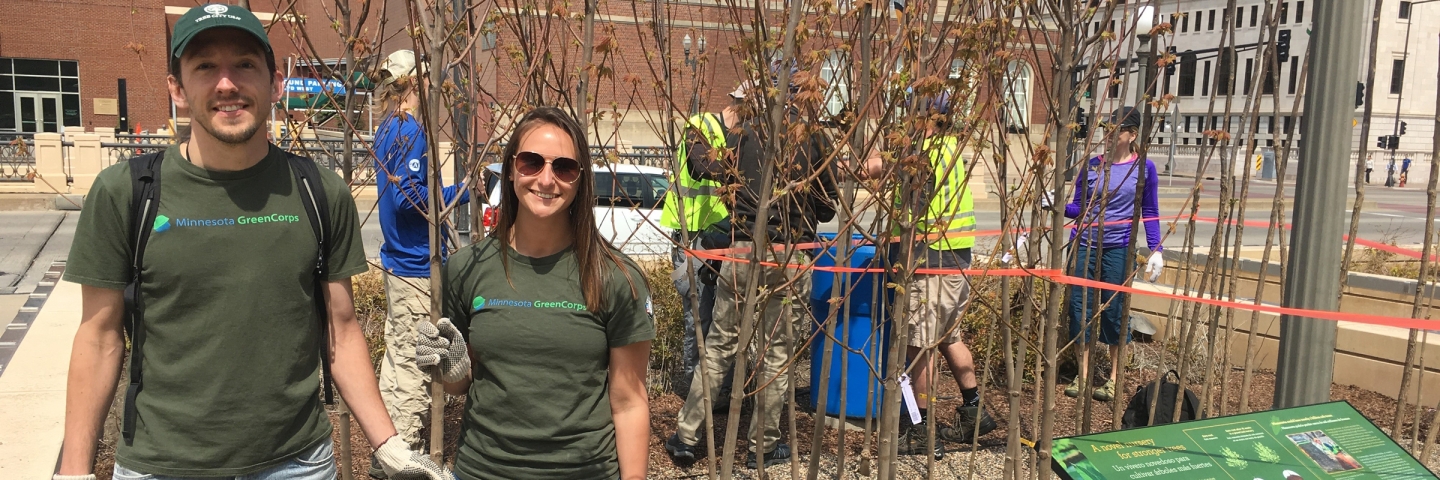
x=247, y=249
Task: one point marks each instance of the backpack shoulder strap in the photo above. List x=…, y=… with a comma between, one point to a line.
x=144, y=207
x=312, y=194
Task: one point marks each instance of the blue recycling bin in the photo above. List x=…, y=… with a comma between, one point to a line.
x=855, y=330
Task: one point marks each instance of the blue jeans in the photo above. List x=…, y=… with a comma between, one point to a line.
x=1106, y=265
x=315, y=463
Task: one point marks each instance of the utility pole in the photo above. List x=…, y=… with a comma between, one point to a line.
x=1306, y=363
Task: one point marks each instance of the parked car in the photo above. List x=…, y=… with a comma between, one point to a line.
x=628, y=203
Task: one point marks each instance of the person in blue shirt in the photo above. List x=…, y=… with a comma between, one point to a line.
x=403, y=162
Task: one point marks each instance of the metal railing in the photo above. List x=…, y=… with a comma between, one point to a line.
x=121, y=152
x=17, y=158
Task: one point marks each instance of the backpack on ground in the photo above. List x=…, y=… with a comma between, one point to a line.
x=145, y=205
x=1137, y=413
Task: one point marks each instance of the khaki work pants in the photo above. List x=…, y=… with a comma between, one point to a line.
x=403, y=385
x=772, y=336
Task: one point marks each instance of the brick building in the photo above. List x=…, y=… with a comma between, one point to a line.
x=64, y=75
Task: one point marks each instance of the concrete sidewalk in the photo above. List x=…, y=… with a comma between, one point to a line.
x=32, y=387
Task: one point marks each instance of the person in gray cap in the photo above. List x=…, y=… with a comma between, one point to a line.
x=238, y=276
x=1106, y=195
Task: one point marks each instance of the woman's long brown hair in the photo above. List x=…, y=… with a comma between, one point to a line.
x=592, y=252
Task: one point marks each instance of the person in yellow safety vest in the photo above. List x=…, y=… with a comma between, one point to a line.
x=937, y=302
x=702, y=209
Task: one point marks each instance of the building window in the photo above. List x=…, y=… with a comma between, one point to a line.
x=1271, y=78
x=1225, y=72
x=1187, y=75
x=1211, y=24
x=1184, y=23
x=1254, y=14
x=1205, y=81
x=1284, y=13
x=1017, y=95
x=39, y=95
x=833, y=72
x=1187, y=124
x=1404, y=10
x=1299, y=12
x=1288, y=126
x=1294, y=74
x=963, y=78
x=1397, y=76
x=1249, y=72
x=1239, y=17
x=1169, y=77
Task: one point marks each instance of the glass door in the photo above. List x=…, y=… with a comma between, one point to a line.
x=38, y=112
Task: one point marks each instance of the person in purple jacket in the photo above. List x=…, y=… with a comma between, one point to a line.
x=1106, y=192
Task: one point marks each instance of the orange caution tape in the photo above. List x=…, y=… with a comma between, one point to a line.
x=726, y=254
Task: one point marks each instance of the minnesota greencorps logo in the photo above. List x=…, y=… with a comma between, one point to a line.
x=162, y=223
x=481, y=302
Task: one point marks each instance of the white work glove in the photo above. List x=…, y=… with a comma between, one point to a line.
x=401, y=463
x=442, y=345
x=1020, y=244
x=1155, y=265
x=73, y=477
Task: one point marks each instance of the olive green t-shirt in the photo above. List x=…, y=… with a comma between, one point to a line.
x=539, y=406
x=232, y=354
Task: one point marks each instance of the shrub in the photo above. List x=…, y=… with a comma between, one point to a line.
x=369, y=290
x=667, y=351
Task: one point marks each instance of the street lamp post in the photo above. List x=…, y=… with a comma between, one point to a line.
x=1405, y=62
x=694, y=63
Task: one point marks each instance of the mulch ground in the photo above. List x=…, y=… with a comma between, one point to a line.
x=859, y=451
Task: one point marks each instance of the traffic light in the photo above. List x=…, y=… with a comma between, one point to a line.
x=1402, y=127
x=1170, y=67
x=1282, y=45
x=1359, y=94
x=1382, y=141
x=1084, y=124
x=1394, y=142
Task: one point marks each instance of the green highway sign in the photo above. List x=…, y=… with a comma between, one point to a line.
x=1315, y=442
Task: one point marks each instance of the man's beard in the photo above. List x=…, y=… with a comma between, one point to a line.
x=234, y=138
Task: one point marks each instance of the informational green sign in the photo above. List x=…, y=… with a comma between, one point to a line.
x=1325, y=441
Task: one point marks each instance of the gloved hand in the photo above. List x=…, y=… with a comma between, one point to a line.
x=1046, y=199
x=73, y=477
x=1020, y=243
x=401, y=463
x=442, y=345
x=1155, y=265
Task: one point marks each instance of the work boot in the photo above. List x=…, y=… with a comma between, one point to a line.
x=779, y=455
x=913, y=439
x=375, y=471
x=965, y=420
x=679, y=451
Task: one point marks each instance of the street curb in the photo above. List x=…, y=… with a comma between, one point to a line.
x=27, y=202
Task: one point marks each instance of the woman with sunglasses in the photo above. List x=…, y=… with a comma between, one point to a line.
x=1106, y=194
x=557, y=324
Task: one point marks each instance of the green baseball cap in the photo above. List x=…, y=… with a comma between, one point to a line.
x=215, y=15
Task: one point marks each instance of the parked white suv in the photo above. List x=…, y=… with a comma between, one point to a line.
x=628, y=204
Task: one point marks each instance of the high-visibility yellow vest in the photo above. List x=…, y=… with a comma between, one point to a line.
x=951, y=208
x=702, y=207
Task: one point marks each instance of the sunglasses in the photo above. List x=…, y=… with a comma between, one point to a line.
x=530, y=164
